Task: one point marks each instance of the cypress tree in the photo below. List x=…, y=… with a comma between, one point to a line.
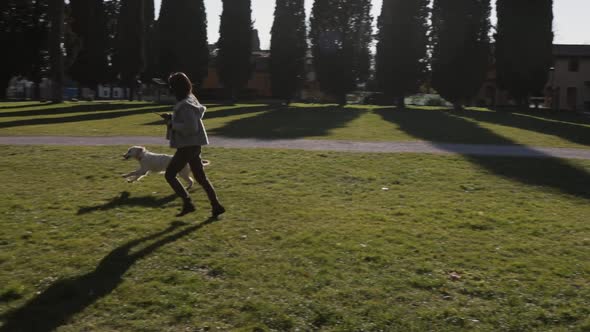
x=130, y=51
x=524, y=43
x=57, y=14
x=24, y=33
x=235, y=45
x=88, y=23
x=288, y=47
x=461, y=48
x=112, y=11
x=149, y=12
x=10, y=34
x=402, y=47
x=182, y=39
x=363, y=29
x=339, y=44
x=35, y=62
x=150, y=40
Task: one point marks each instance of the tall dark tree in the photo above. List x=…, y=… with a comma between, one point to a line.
x=234, y=65
x=56, y=38
x=36, y=45
x=461, y=52
x=182, y=39
x=149, y=14
x=524, y=42
x=151, y=48
x=339, y=44
x=7, y=40
x=402, y=47
x=24, y=32
x=288, y=47
x=112, y=11
x=363, y=29
x=130, y=50
x=88, y=22
x=11, y=32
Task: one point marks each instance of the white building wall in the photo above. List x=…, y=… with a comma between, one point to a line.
x=106, y=92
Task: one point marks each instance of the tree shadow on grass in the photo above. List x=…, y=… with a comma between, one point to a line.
x=441, y=126
x=546, y=114
x=233, y=111
x=56, y=305
x=31, y=104
x=73, y=108
x=571, y=127
x=125, y=199
x=102, y=115
x=289, y=122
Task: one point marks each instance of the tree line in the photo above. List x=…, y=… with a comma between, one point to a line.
x=446, y=44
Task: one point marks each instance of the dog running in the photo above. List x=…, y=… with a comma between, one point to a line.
x=154, y=162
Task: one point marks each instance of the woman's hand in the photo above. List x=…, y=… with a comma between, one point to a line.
x=166, y=116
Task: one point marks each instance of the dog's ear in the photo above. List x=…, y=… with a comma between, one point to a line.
x=143, y=149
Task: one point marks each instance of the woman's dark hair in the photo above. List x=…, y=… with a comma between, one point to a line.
x=180, y=85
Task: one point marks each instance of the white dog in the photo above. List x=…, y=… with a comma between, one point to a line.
x=153, y=162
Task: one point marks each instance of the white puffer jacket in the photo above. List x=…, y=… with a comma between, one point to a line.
x=186, y=127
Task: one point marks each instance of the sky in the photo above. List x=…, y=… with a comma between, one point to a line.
x=571, y=24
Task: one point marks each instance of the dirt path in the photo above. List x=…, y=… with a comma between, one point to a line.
x=316, y=145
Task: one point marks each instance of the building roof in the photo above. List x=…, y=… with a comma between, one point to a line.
x=571, y=50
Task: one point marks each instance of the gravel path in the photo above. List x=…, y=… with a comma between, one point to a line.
x=316, y=145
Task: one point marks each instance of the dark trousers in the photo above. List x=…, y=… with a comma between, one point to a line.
x=192, y=156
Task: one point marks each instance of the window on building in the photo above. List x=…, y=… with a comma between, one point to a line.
x=574, y=64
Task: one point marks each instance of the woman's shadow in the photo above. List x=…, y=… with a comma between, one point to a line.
x=65, y=298
x=125, y=199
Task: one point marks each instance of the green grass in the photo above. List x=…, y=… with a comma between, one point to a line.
x=313, y=121
x=311, y=241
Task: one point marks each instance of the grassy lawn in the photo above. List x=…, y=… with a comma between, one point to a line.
x=364, y=123
x=326, y=241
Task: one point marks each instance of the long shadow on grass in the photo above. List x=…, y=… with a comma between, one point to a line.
x=574, y=128
x=55, y=109
x=31, y=104
x=444, y=126
x=103, y=115
x=224, y=113
x=289, y=122
x=124, y=199
x=57, y=304
x=549, y=115
x=232, y=111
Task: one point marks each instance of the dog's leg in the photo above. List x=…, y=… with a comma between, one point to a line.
x=128, y=174
x=132, y=178
x=135, y=175
x=185, y=174
x=141, y=176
